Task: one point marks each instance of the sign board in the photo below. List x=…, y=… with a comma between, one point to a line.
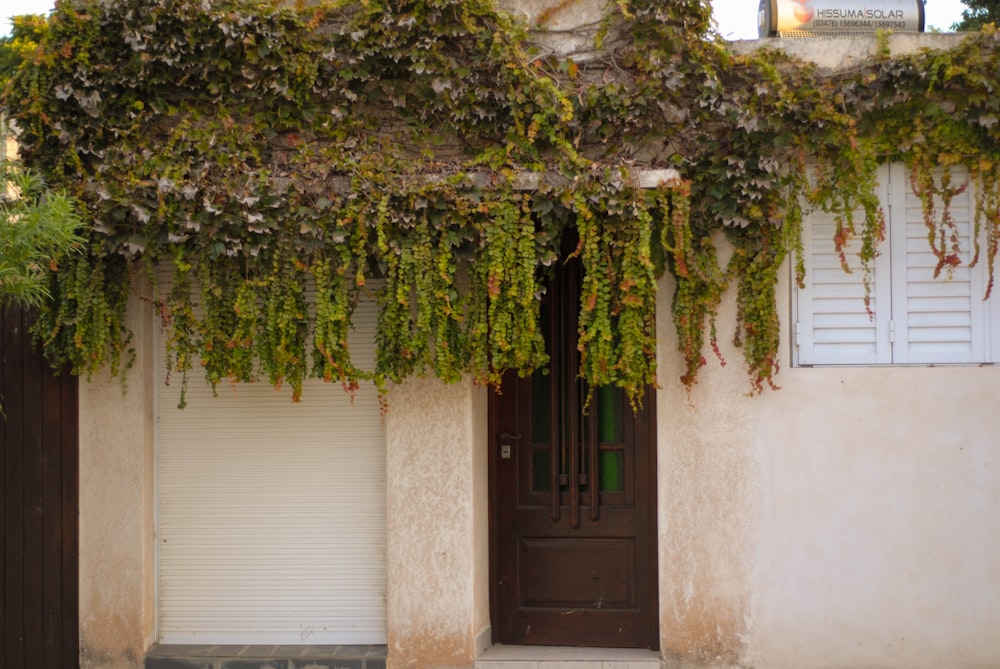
x=802, y=18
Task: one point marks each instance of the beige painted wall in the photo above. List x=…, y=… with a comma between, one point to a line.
x=879, y=537
x=850, y=519
x=117, y=579
x=707, y=501
x=438, y=609
x=564, y=27
x=849, y=51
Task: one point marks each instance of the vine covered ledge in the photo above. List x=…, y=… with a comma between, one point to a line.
x=275, y=159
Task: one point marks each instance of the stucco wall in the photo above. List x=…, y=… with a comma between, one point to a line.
x=849, y=51
x=708, y=499
x=438, y=612
x=567, y=28
x=849, y=519
x=117, y=580
x=879, y=540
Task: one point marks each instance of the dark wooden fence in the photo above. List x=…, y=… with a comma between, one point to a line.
x=38, y=505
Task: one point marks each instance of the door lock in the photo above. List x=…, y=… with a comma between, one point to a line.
x=504, y=437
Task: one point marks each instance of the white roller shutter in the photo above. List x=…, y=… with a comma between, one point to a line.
x=271, y=514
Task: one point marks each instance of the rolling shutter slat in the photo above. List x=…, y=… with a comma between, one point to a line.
x=271, y=514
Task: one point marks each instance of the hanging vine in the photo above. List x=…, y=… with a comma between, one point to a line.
x=252, y=169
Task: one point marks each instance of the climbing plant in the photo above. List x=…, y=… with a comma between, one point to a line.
x=254, y=170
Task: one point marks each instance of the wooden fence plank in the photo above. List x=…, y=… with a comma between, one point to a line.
x=38, y=505
x=33, y=454
x=70, y=440
x=52, y=500
x=4, y=364
x=13, y=493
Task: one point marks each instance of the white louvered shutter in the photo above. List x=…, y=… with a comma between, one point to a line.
x=833, y=327
x=936, y=320
x=271, y=514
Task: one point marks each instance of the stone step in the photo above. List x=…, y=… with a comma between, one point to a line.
x=559, y=657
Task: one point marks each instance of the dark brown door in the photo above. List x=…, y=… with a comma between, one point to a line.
x=572, y=494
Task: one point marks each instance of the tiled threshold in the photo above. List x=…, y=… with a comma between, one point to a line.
x=265, y=657
x=559, y=657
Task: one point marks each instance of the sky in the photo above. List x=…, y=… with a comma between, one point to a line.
x=736, y=19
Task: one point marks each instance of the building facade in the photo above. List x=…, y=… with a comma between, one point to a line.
x=849, y=519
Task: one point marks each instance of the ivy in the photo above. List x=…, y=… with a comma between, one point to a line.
x=509, y=285
x=986, y=175
x=256, y=170
x=88, y=300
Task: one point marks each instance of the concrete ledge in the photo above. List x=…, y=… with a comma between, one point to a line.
x=848, y=51
x=168, y=656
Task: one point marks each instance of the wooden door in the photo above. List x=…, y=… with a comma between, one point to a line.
x=573, y=502
x=38, y=505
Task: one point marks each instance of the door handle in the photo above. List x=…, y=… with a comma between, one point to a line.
x=504, y=438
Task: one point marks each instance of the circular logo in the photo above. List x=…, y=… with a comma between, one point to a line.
x=803, y=12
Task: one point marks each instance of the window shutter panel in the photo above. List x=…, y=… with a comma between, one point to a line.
x=937, y=320
x=271, y=514
x=834, y=326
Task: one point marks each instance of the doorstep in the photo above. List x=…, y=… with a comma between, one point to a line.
x=563, y=657
x=184, y=656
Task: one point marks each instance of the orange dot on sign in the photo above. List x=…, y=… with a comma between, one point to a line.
x=803, y=14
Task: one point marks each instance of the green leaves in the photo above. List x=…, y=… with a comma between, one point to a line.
x=26, y=31
x=279, y=158
x=38, y=232
x=509, y=287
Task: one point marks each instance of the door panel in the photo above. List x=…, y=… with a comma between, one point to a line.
x=572, y=495
x=548, y=583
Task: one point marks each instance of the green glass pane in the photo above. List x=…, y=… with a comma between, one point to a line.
x=612, y=466
x=540, y=419
x=541, y=480
x=610, y=415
